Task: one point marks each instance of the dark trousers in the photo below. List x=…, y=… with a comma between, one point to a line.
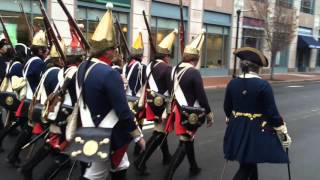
x=247, y=171
x=10, y=128
x=23, y=138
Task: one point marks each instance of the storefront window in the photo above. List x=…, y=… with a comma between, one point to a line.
x=253, y=38
x=160, y=28
x=307, y=6
x=90, y=19
x=16, y=24
x=215, y=49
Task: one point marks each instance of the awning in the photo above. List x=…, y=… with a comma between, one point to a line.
x=308, y=42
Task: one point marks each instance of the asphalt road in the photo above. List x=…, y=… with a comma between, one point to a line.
x=299, y=103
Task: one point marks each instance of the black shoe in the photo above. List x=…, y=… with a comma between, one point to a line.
x=13, y=163
x=27, y=175
x=194, y=171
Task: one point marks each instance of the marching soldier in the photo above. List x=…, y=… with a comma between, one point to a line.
x=47, y=85
x=190, y=107
x=135, y=73
x=14, y=73
x=32, y=74
x=256, y=133
x=52, y=80
x=3, y=54
x=156, y=98
x=103, y=97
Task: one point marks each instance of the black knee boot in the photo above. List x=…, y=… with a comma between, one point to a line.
x=119, y=175
x=151, y=146
x=176, y=160
x=60, y=162
x=194, y=168
x=254, y=172
x=23, y=138
x=27, y=168
x=166, y=156
x=7, y=130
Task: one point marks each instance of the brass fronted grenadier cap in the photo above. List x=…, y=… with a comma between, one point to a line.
x=253, y=55
x=165, y=46
x=40, y=39
x=195, y=46
x=54, y=52
x=103, y=37
x=137, y=47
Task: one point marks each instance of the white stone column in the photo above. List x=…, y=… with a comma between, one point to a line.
x=316, y=24
x=138, y=24
x=238, y=4
x=195, y=21
x=56, y=13
x=293, y=46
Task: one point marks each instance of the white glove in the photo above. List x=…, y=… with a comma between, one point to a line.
x=283, y=135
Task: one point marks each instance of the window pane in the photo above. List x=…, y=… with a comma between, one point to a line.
x=307, y=6
x=214, y=50
x=252, y=38
x=165, y=26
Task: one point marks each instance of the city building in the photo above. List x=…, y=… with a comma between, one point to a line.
x=217, y=17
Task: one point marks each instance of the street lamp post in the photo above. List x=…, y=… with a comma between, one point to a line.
x=236, y=45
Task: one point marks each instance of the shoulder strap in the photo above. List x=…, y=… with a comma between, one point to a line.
x=26, y=68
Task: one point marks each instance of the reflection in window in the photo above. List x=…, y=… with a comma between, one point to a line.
x=307, y=6
x=215, y=48
x=252, y=38
x=90, y=19
x=15, y=23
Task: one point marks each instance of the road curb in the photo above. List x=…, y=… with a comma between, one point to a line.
x=271, y=82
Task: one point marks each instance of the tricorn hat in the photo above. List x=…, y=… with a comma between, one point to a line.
x=195, y=46
x=253, y=55
x=137, y=47
x=165, y=46
x=40, y=39
x=103, y=37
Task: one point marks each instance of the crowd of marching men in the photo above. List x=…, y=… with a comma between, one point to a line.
x=88, y=104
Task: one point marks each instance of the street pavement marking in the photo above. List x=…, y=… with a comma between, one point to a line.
x=295, y=86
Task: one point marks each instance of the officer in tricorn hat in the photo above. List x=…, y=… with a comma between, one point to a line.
x=256, y=133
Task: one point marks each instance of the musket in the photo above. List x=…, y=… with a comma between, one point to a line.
x=43, y=134
x=153, y=48
x=50, y=31
x=181, y=29
x=122, y=37
x=74, y=25
x=30, y=30
x=5, y=32
x=288, y=165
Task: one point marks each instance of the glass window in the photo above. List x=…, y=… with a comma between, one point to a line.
x=285, y=3
x=215, y=48
x=16, y=24
x=160, y=28
x=252, y=38
x=307, y=6
x=90, y=19
x=318, y=57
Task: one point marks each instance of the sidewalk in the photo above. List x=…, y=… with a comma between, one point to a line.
x=222, y=81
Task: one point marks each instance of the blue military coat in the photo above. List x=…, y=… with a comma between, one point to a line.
x=103, y=91
x=34, y=72
x=252, y=139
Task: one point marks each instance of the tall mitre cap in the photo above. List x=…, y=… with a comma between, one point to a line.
x=195, y=46
x=165, y=46
x=103, y=37
x=54, y=52
x=2, y=37
x=40, y=39
x=137, y=46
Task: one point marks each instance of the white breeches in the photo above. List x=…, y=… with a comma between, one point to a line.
x=100, y=170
